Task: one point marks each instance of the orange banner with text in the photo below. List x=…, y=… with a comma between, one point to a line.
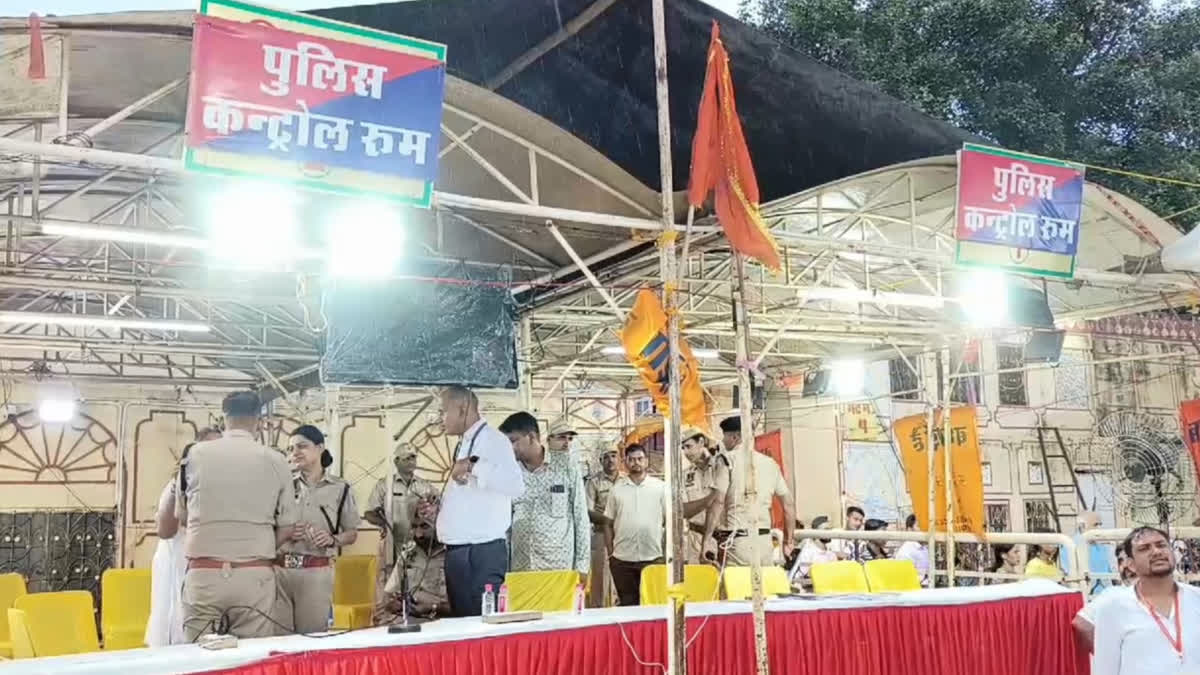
x=644, y=338
x=912, y=437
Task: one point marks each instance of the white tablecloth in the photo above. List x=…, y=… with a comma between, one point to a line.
x=183, y=659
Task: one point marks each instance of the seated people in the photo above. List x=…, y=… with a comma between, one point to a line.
x=424, y=564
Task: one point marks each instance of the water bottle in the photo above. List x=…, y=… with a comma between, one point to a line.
x=579, y=599
x=502, y=599
x=489, y=601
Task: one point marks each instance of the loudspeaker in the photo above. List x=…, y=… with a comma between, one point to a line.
x=816, y=382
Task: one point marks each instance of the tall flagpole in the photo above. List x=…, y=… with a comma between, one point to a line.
x=669, y=271
x=746, y=454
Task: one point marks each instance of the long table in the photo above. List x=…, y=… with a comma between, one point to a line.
x=1021, y=628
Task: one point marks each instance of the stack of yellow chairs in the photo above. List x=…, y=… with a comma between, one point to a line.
x=699, y=584
x=876, y=576
x=57, y=623
x=354, y=591
x=12, y=586
x=125, y=607
x=545, y=591
x=737, y=582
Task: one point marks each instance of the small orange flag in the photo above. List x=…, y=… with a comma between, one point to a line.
x=721, y=163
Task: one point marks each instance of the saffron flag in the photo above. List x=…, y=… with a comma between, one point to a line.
x=644, y=338
x=912, y=436
x=1189, y=419
x=721, y=163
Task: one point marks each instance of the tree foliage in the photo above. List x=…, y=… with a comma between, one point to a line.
x=1114, y=83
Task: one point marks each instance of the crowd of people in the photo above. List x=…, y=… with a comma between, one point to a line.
x=248, y=536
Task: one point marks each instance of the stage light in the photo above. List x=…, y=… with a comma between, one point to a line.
x=983, y=295
x=56, y=410
x=849, y=376
x=365, y=241
x=253, y=225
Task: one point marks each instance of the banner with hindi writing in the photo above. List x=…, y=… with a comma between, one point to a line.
x=644, y=338
x=912, y=437
x=1018, y=212
x=1189, y=420
x=860, y=422
x=322, y=104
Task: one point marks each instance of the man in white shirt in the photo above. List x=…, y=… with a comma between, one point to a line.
x=476, y=509
x=1085, y=618
x=916, y=551
x=851, y=549
x=812, y=552
x=1152, y=628
x=636, y=515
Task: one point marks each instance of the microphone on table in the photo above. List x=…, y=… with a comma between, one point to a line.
x=403, y=626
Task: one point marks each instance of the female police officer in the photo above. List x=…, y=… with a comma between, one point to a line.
x=328, y=520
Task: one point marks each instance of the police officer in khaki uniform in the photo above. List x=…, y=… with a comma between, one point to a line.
x=238, y=507
x=598, y=485
x=746, y=527
x=705, y=485
x=328, y=520
x=408, y=495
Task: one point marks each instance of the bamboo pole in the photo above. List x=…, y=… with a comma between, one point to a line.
x=951, y=549
x=745, y=454
x=669, y=268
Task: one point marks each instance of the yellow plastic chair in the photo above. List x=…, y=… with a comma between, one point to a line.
x=12, y=586
x=60, y=623
x=125, y=607
x=354, y=590
x=890, y=576
x=22, y=644
x=737, y=582
x=699, y=584
x=545, y=591
x=842, y=576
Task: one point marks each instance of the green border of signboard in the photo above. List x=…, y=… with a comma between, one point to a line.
x=1038, y=159
x=432, y=50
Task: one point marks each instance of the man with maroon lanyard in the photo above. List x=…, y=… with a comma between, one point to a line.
x=1152, y=628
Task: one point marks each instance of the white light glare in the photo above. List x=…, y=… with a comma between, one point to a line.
x=57, y=410
x=698, y=352
x=849, y=376
x=983, y=296
x=254, y=225
x=365, y=241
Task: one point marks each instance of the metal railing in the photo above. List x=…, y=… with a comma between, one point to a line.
x=1065, y=542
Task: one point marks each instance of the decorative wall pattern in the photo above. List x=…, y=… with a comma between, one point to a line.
x=58, y=551
x=82, y=451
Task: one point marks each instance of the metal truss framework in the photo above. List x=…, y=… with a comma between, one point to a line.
x=884, y=234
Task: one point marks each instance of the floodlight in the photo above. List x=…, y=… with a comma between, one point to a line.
x=365, y=240
x=849, y=376
x=253, y=225
x=983, y=295
x=57, y=410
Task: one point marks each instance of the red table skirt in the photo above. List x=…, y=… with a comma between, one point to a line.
x=1023, y=636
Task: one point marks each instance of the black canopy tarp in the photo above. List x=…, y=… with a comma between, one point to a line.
x=806, y=124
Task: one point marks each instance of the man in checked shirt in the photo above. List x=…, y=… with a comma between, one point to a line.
x=550, y=529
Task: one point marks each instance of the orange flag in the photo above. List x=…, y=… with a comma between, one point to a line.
x=645, y=340
x=721, y=163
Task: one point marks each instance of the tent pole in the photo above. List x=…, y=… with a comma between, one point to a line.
x=744, y=458
x=669, y=267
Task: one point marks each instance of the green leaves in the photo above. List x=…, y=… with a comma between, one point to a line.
x=1106, y=82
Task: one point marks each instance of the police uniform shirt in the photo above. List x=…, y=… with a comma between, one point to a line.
x=318, y=505
x=406, y=494
x=598, y=486
x=738, y=514
x=236, y=492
